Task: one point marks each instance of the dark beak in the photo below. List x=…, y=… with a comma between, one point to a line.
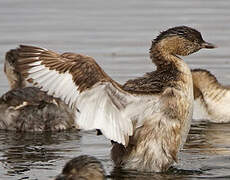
x=208, y=45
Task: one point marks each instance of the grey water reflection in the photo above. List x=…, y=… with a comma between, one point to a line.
x=209, y=138
x=206, y=154
x=21, y=152
x=43, y=155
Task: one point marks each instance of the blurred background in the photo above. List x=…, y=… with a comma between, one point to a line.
x=118, y=35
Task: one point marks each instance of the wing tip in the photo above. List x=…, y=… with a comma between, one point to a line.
x=30, y=47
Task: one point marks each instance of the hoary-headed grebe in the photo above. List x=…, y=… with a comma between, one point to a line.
x=82, y=167
x=28, y=108
x=211, y=99
x=147, y=119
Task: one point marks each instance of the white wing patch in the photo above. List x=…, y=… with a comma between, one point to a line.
x=56, y=84
x=101, y=107
x=97, y=111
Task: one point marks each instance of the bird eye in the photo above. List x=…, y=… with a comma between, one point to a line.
x=195, y=41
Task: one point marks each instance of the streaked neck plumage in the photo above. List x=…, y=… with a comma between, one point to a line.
x=205, y=83
x=163, y=55
x=160, y=55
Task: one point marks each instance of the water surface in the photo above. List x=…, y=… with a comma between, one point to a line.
x=118, y=35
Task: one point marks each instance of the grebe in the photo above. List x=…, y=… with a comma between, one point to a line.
x=82, y=167
x=28, y=108
x=211, y=99
x=147, y=118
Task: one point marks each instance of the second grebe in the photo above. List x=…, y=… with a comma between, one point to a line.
x=83, y=167
x=28, y=108
x=211, y=99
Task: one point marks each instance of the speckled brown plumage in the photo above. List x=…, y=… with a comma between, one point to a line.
x=29, y=94
x=154, y=82
x=29, y=109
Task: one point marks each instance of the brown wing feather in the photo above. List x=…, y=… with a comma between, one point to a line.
x=84, y=69
x=80, y=82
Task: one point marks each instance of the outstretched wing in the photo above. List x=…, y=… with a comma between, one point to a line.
x=80, y=82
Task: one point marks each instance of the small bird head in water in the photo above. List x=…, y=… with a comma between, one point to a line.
x=180, y=40
x=82, y=168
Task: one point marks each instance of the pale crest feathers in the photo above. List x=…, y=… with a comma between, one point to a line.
x=99, y=101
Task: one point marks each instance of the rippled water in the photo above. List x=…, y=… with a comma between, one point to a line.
x=118, y=34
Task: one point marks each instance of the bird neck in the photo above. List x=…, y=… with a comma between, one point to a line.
x=163, y=57
x=205, y=82
x=166, y=61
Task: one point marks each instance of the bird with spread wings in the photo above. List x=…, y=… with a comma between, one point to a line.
x=99, y=101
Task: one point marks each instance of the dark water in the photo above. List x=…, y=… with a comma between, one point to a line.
x=118, y=34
